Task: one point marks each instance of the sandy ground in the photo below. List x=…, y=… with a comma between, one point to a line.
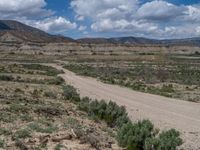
x=164, y=112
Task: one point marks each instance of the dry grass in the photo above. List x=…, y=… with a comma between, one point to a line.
x=36, y=116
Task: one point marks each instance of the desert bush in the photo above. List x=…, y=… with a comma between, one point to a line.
x=58, y=147
x=21, y=145
x=166, y=140
x=36, y=93
x=4, y=131
x=49, y=111
x=18, y=108
x=139, y=86
x=70, y=93
x=197, y=53
x=134, y=136
x=72, y=123
x=143, y=136
x=167, y=88
x=48, y=70
x=38, y=128
x=2, y=143
x=26, y=117
x=84, y=104
x=18, y=90
x=111, y=113
x=50, y=94
x=22, y=134
x=56, y=81
x=7, y=117
x=6, y=78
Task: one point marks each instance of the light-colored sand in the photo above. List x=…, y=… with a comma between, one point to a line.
x=164, y=112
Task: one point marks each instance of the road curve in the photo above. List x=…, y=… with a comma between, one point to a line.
x=164, y=112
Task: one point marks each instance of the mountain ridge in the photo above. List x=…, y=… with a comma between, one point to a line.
x=31, y=34
x=28, y=33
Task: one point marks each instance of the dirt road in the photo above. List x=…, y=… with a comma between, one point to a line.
x=164, y=112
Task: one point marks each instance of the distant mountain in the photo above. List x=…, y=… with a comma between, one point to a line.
x=10, y=29
x=133, y=40
x=94, y=40
x=120, y=40
x=14, y=31
x=188, y=41
x=141, y=40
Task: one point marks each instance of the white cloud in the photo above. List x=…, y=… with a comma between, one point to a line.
x=108, y=24
x=93, y=8
x=82, y=28
x=155, y=19
x=80, y=18
x=124, y=26
x=198, y=30
x=160, y=10
x=192, y=13
x=11, y=9
x=34, y=13
x=54, y=25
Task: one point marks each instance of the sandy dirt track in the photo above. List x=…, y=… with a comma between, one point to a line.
x=164, y=112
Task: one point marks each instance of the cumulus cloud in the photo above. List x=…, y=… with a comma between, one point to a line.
x=35, y=13
x=156, y=19
x=82, y=28
x=103, y=8
x=54, y=25
x=160, y=10
x=80, y=18
x=11, y=9
x=192, y=13
x=198, y=30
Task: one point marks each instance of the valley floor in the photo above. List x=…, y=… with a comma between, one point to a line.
x=164, y=112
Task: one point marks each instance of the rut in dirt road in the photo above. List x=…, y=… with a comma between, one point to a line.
x=164, y=112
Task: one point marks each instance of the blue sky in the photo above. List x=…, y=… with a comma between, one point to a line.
x=108, y=18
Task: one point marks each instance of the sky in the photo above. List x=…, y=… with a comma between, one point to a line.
x=157, y=19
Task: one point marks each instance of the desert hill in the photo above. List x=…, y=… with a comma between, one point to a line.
x=10, y=29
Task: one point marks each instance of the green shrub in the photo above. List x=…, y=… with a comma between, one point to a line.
x=197, y=53
x=72, y=123
x=134, y=136
x=2, y=143
x=131, y=136
x=7, y=117
x=22, y=134
x=139, y=86
x=48, y=70
x=56, y=81
x=49, y=111
x=167, y=88
x=50, y=94
x=38, y=128
x=18, y=108
x=167, y=140
x=21, y=145
x=143, y=136
x=111, y=113
x=4, y=131
x=26, y=117
x=6, y=78
x=70, y=93
x=84, y=104
x=58, y=147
